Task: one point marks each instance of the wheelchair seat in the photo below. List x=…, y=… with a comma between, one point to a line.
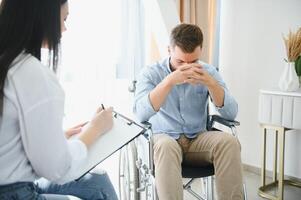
x=60, y=197
x=197, y=171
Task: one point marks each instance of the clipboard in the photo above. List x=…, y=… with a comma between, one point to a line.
x=123, y=132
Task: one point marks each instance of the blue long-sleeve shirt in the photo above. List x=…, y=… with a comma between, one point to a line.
x=185, y=108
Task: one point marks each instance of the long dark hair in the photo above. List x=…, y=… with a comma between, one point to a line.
x=24, y=26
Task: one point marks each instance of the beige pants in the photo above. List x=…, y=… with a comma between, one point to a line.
x=221, y=149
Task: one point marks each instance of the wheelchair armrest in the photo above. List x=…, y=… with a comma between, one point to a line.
x=146, y=124
x=221, y=120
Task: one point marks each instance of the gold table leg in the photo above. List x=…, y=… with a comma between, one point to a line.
x=279, y=134
x=275, y=157
x=281, y=163
x=264, y=157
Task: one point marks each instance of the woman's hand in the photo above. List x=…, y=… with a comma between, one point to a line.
x=102, y=121
x=74, y=130
x=100, y=124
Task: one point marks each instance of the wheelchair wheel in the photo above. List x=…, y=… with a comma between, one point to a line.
x=128, y=173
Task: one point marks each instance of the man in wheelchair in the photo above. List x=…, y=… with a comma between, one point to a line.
x=173, y=96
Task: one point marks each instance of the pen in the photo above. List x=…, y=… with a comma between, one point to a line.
x=102, y=106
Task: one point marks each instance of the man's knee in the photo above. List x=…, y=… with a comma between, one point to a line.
x=166, y=145
x=229, y=143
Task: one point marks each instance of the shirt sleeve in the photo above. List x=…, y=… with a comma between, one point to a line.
x=143, y=108
x=79, y=154
x=230, y=107
x=41, y=101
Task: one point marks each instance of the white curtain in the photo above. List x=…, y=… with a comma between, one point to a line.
x=132, y=46
x=96, y=41
x=89, y=57
x=103, y=39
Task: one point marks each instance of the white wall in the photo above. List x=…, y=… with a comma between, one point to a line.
x=251, y=57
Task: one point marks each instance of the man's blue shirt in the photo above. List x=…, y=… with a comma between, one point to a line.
x=185, y=108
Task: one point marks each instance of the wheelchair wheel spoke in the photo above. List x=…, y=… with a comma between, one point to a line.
x=128, y=174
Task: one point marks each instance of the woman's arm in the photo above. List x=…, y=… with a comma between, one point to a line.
x=101, y=123
x=40, y=101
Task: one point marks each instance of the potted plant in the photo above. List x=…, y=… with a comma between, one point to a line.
x=289, y=80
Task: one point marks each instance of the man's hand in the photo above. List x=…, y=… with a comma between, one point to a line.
x=74, y=130
x=182, y=74
x=198, y=75
x=188, y=73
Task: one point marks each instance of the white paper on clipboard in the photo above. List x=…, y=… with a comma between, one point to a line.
x=124, y=131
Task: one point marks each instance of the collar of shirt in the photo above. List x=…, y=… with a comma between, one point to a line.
x=167, y=64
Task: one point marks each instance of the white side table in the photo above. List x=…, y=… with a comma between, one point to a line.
x=278, y=111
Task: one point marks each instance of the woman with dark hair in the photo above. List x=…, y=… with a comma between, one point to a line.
x=32, y=141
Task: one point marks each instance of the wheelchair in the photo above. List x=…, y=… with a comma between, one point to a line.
x=136, y=168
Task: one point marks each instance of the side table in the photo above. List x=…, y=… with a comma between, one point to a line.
x=278, y=111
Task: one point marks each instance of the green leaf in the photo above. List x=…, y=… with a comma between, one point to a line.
x=298, y=66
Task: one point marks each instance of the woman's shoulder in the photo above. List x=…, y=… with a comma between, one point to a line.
x=23, y=63
x=27, y=72
x=28, y=68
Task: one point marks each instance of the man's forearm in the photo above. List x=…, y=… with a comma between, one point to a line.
x=217, y=94
x=159, y=94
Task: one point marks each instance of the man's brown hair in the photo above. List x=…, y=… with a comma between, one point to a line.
x=187, y=37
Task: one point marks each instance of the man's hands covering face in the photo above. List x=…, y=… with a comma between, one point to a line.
x=191, y=73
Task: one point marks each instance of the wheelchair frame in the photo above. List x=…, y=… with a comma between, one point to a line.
x=136, y=168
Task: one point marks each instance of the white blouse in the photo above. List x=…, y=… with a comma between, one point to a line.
x=32, y=141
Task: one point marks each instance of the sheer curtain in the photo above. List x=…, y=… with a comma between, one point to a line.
x=91, y=49
x=94, y=44
x=132, y=49
x=132, y=45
